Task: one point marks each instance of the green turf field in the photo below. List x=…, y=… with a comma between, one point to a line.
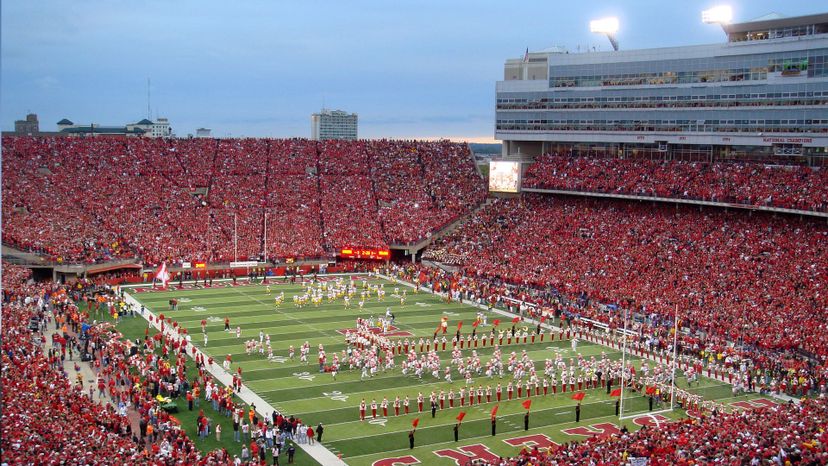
x=300, y=389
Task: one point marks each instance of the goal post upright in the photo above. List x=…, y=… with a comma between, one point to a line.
x=674, y=366
x=623, y=366
x=675, y=360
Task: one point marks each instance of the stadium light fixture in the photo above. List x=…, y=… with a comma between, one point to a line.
x=608, y=26
x=721, y=14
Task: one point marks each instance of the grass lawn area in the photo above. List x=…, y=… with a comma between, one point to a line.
x=300, y=389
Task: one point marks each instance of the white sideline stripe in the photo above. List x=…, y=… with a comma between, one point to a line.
x=316, y=451
x=472, y=303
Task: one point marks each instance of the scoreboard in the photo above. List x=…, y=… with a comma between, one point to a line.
x=365, y=253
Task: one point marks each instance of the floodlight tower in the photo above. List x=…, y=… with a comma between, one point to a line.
x=721, y=15
x=608, y=26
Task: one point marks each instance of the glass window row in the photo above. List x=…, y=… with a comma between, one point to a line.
x=754, y=126
x=814, y=66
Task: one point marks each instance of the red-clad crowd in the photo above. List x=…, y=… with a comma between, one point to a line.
x=96, y=199
x=792, y=434
x=46, y=418
x=755, y=279
x=801, y=188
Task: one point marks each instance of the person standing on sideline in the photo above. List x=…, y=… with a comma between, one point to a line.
x=578, y=412
x=411, y=439
x=275, y=452
x=526, y=421
x=218, y=432
x=456, y=431
x=319, y=430
x=494, y=426
x=310, y=435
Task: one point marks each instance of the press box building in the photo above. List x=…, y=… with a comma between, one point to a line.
x=762, y=94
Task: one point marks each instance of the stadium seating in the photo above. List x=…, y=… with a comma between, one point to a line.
x=95, y=199
x=756, y=279
x=785, y=434
x=800, y=188
x=46, y=420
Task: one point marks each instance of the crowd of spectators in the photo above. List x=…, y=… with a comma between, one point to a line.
x=785, y=434
x=801, y=188
x=53, y=414
x=47, y=419
x=96, y=199
x=757, y=279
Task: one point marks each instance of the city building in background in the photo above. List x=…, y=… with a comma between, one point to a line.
x=761, y=95
x=144, y=128
x=28, y=127
x=333, y=124
x=203, y=133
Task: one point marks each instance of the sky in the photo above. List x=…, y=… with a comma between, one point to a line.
x=409, y=68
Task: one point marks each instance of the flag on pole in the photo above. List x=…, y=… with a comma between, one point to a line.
x=527, y=403
x=516, y=320
x=163, y=275
x=616, y=392
x=459, y=325
x=543, y=319
x=651, y=390
x=415, y=422
x=579, y=396
x=526, y=55
x=496, y=322
x=476, y=323
x=461, y=416
x=494, y=410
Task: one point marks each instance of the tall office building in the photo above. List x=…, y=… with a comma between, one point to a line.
x=763, y=94
x=333, y=124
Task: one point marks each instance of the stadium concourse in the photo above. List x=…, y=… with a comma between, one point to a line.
x=749, y=286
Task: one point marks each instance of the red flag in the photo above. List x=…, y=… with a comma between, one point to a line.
x=527, y=403
x=476, y=323
x=459, y=324
x=543, y=319
x=578, y=396
x=516, y=320
x=494, y=410
x=616, y=392
x=651, y=390
x=496, y=322
x=461, y=416
x=415, y=422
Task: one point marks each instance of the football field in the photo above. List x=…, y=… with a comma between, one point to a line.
x=316, y=397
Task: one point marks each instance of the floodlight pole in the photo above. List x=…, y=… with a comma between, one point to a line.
x=235, y=237
x=264, y=252
x=623, y=366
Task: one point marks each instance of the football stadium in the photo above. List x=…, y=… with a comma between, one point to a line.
x=636, y=276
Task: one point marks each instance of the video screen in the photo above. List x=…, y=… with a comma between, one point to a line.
x=504, y=177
